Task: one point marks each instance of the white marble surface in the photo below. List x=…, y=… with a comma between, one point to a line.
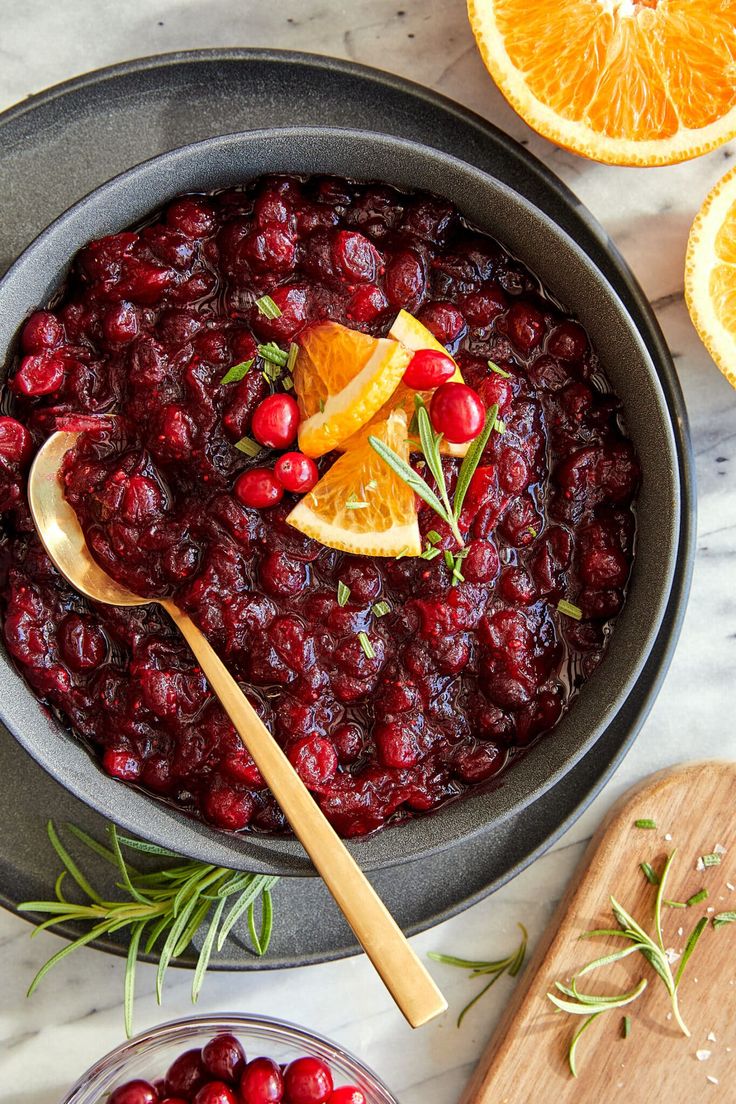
x=76, y=1015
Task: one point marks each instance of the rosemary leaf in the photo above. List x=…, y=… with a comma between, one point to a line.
x=237, y=372
x=572, y=1052
x=722, y=918
x=410, y=477
x=471, y=461
x=690, y=946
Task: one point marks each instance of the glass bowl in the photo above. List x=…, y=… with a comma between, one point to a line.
x=149, y=1055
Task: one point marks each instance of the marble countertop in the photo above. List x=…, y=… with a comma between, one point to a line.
x=76, y=1015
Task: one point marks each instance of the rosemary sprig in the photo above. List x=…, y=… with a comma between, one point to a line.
x=430, y=443
x=510, y=965
x=174, y=902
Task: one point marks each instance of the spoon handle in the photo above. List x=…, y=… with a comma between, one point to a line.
x=378, y=933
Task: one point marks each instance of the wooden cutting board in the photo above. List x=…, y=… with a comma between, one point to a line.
x=694, y=808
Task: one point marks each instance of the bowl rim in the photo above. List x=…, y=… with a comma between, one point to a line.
x=289, y=848
x=265, y=1027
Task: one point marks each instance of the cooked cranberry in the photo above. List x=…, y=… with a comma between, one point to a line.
x=348, y=742
x=276, y=421
x=396, y=745
x=481, y=307
x=604, y=567
x=186, y=1075
x=122, y=764
x=262, y=1082
x=457, y=412
x=16, y=443
x=525, y=325
x=42, y=331
x=224, y=1058
x=215, y=1092
x=443, y=320
x=292, y=300
x=134, y=1092
x=366, y=303
x=314, y=760
x=347, y=1094
x=273, y=248
x=193, y=216
x=405, y=280
x=83, y=643
x=428, y=369
x=568, y=341
x=39, y=374
x=227, y=806
x=120, y=324
x=296, y=472
x=478, y=763
x=355, y=256
x=307, y=1081
x=258, y=488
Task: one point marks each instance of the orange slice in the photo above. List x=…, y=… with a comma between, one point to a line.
x=341, y=378
x=630, y=82
x=710, y=275
x=360, y=505
x=411, y=333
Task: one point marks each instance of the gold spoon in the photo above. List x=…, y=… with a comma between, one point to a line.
x=380, y=936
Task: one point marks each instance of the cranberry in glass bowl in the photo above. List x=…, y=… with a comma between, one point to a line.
x=229, y=1059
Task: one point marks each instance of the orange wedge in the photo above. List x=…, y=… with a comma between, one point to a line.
x=341, y=378
x=360, y=505
x=411, y=333
x=629, y=82
x=710, y=275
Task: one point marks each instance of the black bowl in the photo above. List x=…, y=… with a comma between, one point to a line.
x=571, y=276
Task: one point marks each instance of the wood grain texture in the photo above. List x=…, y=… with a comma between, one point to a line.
x=526, y=1059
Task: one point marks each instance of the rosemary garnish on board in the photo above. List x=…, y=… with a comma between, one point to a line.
x=170, y=904
x=430, y=443
x=509, y=965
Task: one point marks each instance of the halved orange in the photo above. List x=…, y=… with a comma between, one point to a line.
x=710, y=275
x=413, y=335
x=341, y=378
x=360, y=505
x=630, y=82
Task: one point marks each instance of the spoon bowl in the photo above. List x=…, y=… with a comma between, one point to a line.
x=378, y=933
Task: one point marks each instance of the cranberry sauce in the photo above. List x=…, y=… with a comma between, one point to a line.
x=460, y=677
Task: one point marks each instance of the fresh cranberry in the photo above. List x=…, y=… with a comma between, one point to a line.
x=347, y=1094
x=457, y=412
x=134, y=1092
x=296, y=472
x=428, y=369
x=186, y=1075
x=315, y=761
x=16, y=443
x=262, y=1082
x=307, y=1081
x=224, y=1058
x=276, y=421
x=258, y=488
x=215, y=1092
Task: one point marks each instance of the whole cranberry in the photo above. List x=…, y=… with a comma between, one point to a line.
x=43, y=330
x=366, y=303
x=83, y=643
x=224, y=1058
x=276, y=421
x=227, y=806
x=39, y=374
x=568, y=341
x=396, y=745
x=307, y=1081
x=525, y=325
x=122, y=764
x=457, y=412
x=428, y=369
x=16, y=443
x=262, y=1082
x=134, y=1092
x=258, y=488
x=314, y=759
x=296, y=472
x=215, y=1092
x=444, y=320
x=347, y=1094
x=355, y=256
x=186, y=1075
x=192, y=216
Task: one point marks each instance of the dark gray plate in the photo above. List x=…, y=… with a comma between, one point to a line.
x=66, y=141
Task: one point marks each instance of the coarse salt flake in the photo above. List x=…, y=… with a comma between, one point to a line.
x=713, y=1080
x=700, y=865
x=702, y=1055
x=711, y=1037
x=719, y=849
x=729, y=885
x=668, y=837
x=671, y=955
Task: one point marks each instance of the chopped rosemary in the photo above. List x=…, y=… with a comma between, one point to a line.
x=287, y=383
x=509, y=965
x=500, y=426
x=402, y=552
x=381, y=609
x=569, y=609
x=433, y=536
x=723, y=918
x=714, y=859
x=649, y=873
x=626, y=1026
x=271, y=352
x=271, y=372
x=430, y=553
x=248, y=446
x=237, y=372
x=321, y=406
x=291, y=359
x=499, y=371
x=267, y=307
x=172, y=904
x=449, y=559
x=371, y=485
x=696, y=898
x=366, y=645
x=343, y=593
x=355, y=503
x=644, y=822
